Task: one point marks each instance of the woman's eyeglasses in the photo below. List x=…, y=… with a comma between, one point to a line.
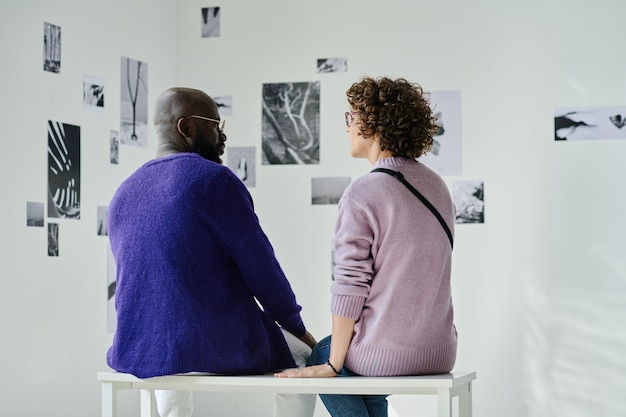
x=350, y=117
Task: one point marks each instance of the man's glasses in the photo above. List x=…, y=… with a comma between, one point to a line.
x=220, y=123
x=350, y=117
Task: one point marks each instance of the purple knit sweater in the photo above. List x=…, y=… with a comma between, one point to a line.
x=392, y=273
x=191, y=259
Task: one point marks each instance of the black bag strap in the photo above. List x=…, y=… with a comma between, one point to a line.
x=419, y=195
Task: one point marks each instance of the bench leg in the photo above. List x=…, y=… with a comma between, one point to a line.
x=148, y=404
x=444, y=400
x=465, y=401
x=109, y=400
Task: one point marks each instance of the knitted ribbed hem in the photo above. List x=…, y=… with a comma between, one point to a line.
x=370, y=361
x=349, y=306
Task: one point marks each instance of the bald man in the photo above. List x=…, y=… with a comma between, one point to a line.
x=192, y=261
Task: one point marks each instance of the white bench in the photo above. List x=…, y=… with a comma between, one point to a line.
x=444, y=386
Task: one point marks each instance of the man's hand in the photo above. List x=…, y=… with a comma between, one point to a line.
x=308, y=339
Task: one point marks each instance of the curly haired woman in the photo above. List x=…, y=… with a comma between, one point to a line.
x=391, y=303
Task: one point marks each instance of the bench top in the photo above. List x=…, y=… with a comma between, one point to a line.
x=424, y=384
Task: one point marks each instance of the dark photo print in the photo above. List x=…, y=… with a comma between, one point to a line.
x=290, y=123
x=53, y=239
x=51, y=47
x=63, y=170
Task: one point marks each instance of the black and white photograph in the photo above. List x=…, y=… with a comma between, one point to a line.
x=134, y=102
x=445, y=155
x=242, y=161
x=111, y=282
x=328, y=190
x=51, y=47
x=53, y=239
x=34, y=214
x=469, y=201
x=611, y=122
x=210, y=26
x=224, y=105
x=290, y=123
x=114, y=147
x=576, y=123
x=329, y=65
x=101, y=218
x=63, y=170
x=93, y=93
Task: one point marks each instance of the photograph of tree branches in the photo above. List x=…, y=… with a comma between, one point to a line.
x=290, y=123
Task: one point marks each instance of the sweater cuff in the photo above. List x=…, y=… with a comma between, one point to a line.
x=349, y=306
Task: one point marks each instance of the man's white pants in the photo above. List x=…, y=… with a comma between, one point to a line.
x=180, y=403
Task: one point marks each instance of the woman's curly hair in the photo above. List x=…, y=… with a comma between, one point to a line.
x=395, y=110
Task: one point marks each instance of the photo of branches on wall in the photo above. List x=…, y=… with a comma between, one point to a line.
x=63, y=170
x=290, y=123
x=134, y=102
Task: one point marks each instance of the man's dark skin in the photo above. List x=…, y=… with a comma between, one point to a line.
x=177, y=132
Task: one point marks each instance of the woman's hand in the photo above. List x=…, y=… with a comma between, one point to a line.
x=317, y=371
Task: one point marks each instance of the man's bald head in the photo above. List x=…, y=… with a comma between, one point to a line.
x=177, y=132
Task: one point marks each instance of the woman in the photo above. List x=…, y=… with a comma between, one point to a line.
x=391, y=302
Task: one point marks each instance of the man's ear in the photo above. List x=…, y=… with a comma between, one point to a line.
x=183, y=126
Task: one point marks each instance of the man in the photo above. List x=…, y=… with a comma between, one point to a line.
x=194, y=266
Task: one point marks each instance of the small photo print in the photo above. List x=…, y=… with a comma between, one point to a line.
x=114, y=141
x=224, y=105
x=51, y=47
x=34, y=214
x=63, y=170
x=469, y=200
x=93, y=93
x=242, y=161
x=328, y=190
x=53, y=239
x=102, y=220
x=328, y=65
x=134, y=102
x=210, y=26
x=576, y=123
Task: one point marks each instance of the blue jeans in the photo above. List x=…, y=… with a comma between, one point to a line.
x=347, y=405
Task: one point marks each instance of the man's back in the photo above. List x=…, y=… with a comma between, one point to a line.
x=191, y=257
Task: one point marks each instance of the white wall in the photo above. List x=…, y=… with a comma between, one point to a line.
x=538, y=288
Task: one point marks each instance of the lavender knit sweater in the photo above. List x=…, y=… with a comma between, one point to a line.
x=392, y=273
x=191, y=258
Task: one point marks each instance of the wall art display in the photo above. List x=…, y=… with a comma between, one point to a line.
x=51, y=47
x=469, y=200
x=110, y=290
x=590, y=123
x=290, y=123
x=242, y=161
x=101, y=218
x=327, y=65
x=134, y=102
x=224, y=105
x=63, y=170
x=445, y=156
x=328, y=190
x=93, y=93
x=210, y=27
x=34, y=214
x=114, y=147
x=53, y=239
